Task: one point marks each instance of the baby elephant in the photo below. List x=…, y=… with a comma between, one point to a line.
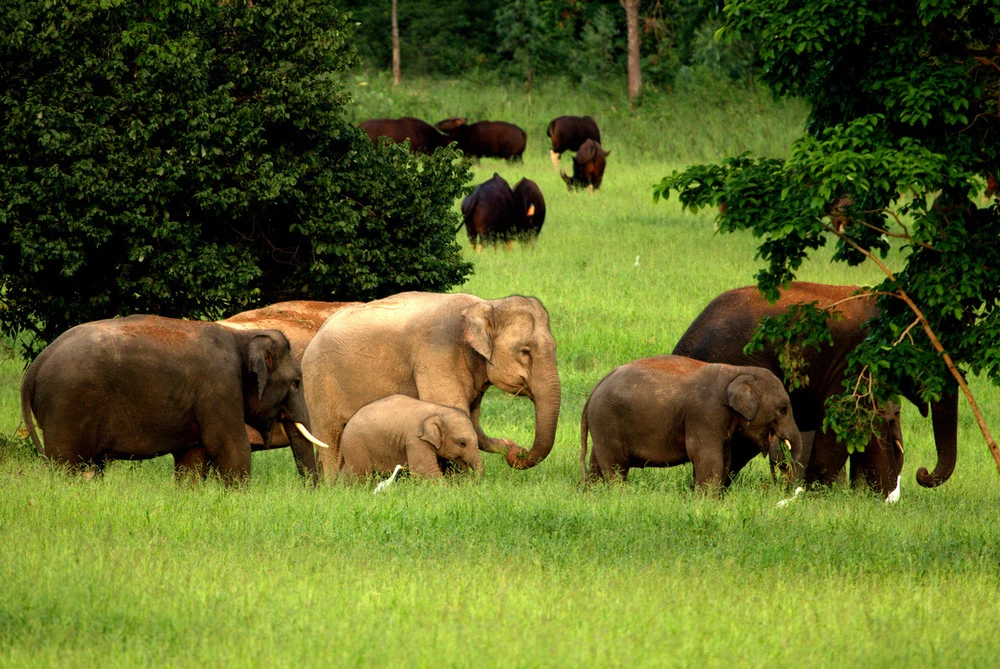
x=668, y=410
x=402, y=430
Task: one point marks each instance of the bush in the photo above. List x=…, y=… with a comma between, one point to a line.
x=193, y=159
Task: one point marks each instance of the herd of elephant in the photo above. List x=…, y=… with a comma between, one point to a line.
x=359, y=388
x=494, y=212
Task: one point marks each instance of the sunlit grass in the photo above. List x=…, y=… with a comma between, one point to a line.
x=523, y=568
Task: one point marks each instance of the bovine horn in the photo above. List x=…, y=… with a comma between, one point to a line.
x=307, y=435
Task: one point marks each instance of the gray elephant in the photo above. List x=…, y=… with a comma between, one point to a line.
x=426, y=438
x=143, y=386
x=668, y=410
x=446, y=349
x=298, y=320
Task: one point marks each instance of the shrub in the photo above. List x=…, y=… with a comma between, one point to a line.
x=192, y=159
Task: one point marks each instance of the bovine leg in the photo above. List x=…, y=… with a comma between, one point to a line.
x=555, y=159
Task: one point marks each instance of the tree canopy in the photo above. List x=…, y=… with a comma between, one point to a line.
x=901, y=150
x=193, y=159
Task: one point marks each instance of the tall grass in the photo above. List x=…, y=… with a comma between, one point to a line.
x=522, y=568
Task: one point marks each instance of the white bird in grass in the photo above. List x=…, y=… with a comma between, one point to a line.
x=798, y=491
x=636, y=264
x=893, y=497
x=388, y=482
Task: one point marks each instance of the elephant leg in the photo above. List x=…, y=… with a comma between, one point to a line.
x=422, y=461
x=877, y=467
x=826, y=460
x=190, y=464
x=740, y=456
x=709, y=462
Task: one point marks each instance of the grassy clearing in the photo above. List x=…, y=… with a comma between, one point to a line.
x=523, y=569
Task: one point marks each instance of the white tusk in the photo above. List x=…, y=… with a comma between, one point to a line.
x=788, y=445
x=307, y=435
x=899, y=445
x=385, y=484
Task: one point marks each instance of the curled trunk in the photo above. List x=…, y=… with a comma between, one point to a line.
x=546, y=393
x=945, y=417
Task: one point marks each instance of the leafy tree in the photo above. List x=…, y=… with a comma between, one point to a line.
x=191, y=159
x=521, y=33
x=903, y=136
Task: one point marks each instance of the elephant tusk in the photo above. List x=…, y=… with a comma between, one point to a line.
x=308, y=435
x=899, y=445
x=788, y=445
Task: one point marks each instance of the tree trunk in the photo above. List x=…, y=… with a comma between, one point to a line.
x=634, y=66
x=396, y=76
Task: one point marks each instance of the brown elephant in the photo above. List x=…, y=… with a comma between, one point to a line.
x=446, y=349
x=299, y=320
x=668, y=410
x=721, y=331
x=143, y=386
x=426, y=438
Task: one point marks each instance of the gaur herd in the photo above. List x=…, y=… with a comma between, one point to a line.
x=493, y=212
x=356, y=389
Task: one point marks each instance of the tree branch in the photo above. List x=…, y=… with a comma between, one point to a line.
x=935, y=342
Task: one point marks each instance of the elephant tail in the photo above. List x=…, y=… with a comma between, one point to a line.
x=583, y=443
x=27, y=414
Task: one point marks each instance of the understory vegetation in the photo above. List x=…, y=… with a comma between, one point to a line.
x=524, y=568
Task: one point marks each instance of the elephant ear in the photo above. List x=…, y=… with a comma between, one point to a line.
x=478, y=326
x=430, y=431
x=260, y=360
x=741, y=396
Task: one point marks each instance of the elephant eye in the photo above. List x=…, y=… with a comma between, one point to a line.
x=526, y=351
x=296, y=384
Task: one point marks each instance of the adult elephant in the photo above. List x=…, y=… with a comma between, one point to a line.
x=442, y=348
x=144, y=386
x=299, y=320
x=723, y=329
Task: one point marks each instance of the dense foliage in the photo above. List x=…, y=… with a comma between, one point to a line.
x=901, y=149
x=583, y=40
x=192, y=159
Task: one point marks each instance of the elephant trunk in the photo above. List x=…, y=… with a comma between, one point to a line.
x=945, y=417
x=546, y=392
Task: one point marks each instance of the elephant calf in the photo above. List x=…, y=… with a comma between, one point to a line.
x=400, y=430
x=668, y=410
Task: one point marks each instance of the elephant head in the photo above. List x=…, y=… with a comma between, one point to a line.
x=272, y=392
x=513, y=336
x=763, y=414
x=453, y=437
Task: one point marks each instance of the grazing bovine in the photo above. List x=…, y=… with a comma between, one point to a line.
x=486, y=139
x=422, y=135
x=568, y=133
x=588, y=166
x=530, y=205
x=489, y=213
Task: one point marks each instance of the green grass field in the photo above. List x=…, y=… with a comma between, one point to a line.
x=523, y=569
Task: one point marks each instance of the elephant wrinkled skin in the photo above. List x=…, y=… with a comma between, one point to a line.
x=426, y=438
x=723, y=329
x=668, y=410
x=441, y=348
x=143, y=386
